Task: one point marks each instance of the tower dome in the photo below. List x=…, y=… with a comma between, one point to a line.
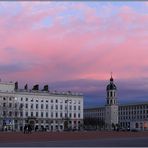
x=111, y=86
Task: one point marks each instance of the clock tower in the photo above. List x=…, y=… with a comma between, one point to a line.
x=111, y=107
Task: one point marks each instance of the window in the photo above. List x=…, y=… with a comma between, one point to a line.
x=15, y=114
x=10, y=113
x=136, y=125
x=36, y=114
x=51, y=114
x=26, y=99
x=41, y=100
x=31, y=100
x=46, y=106
x=61, y=115
x=21, y=114
x=15, y=105
x=21, y=99
x=61, y=107
x=47, y=101
x=26, y=114
x=46, y=114
x=37, y=100
x=4, y=113
x=41, y=114
x=31, y=106
x=10, y=99
x=37, y=106
x=56, y=106
x=74, y=115
x=26, y=105
x=111, y=94
x=31, y=114
x=74, y=107
x=79, y=115
x=56, y=101
x=56, y=115
x=10, y=104
x=79, y=107
x=51, y=106
x=70, y=115
x=42, y=106
x=4, y=98
x=4, y=104
x=70, y=107
x=51, y=101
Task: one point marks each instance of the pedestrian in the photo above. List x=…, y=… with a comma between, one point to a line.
x=29, y=129
x=25, y=129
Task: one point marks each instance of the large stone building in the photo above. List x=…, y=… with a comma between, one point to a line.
x=42, y=109
x=129, y=116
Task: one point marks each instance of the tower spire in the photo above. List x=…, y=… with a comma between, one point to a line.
x=111, y=79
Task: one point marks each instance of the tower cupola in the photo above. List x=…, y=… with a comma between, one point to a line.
x=111, y=90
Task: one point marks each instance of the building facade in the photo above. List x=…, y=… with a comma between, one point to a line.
x=129, y=116
x=42, y=109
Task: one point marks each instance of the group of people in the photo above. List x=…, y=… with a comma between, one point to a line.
x=27, y=129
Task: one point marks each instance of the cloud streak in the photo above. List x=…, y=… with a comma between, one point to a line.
x=41, y=43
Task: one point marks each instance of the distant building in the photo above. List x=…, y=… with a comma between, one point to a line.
x=114, y=115
x=42, y=109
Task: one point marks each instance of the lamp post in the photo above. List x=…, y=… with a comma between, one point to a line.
x=67, y=112
x=15, y=110
x=66, y=125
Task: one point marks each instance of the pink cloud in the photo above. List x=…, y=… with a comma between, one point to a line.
x=90, y=48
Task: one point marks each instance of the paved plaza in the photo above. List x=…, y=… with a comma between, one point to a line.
x=75, y=139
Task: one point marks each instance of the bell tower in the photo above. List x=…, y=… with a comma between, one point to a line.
x=111, y=107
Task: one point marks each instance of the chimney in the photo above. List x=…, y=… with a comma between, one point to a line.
x=45, y=88
x=16, y=85
x=26, y=87
x=35, y=87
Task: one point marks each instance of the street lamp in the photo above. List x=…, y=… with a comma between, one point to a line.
x=67, y=117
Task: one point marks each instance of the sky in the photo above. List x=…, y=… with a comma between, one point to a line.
x=75, y=46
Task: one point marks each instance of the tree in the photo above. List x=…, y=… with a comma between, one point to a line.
x=93, y=122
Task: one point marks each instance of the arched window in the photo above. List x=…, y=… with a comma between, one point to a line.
x=107, y=101
x=136, y=125
x=111, y=93
x=107, y=94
